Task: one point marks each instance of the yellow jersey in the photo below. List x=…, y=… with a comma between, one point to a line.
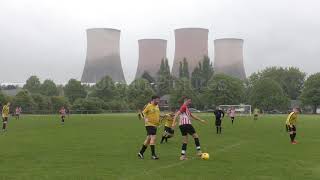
x=256, y=111
x=5, y=111
x=168, y=120
x=292, y=118
x=152, y=115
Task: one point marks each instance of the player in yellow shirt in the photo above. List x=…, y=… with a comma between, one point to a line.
x=291, y=124
x=151, y=116
x=5, y=115
x=168, y=131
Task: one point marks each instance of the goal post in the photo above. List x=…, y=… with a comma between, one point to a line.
x=242, y=109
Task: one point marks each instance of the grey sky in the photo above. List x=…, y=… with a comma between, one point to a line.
x=47, y=37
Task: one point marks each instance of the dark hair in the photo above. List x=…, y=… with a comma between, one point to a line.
x=155, y=97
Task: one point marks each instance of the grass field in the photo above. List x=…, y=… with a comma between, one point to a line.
x=98, y=147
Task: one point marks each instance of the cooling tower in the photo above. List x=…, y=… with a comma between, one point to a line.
x=192, y=44
x=228, y=57
x=151, y=52
x=103, y=56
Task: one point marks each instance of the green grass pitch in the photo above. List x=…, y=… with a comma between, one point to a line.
x=104, y=147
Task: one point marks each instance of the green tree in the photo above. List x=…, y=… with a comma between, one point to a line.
x=74, y=90
x=181, y=89
x=311, y=92
x=223, y=89
x=88, y=105
x=105, y=89
x=57, y=102
x=122, y=90
x=268, y=95
x=49, y=88
x=290, y=79
x=184, y=69
x=3, y=98
x=33, y=84
x=139, y=93
x=24, y=99
x=42, y=103
x=202, y=74
x=164, y=81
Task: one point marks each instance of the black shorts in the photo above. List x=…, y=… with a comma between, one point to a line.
x=187, y=129
x=151, y=130
x=5, y=119
x=293, y=128
x=256, y=115
x=218, y=122
x=168, y=130
x=232, y=118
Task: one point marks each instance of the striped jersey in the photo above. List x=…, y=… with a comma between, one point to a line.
x=232, y=113
x=62, y=112
x=185, y=116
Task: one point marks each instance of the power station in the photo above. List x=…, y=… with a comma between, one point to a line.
x=103, y=56
x=192, y=44
x=228, y=57
x=151, y=52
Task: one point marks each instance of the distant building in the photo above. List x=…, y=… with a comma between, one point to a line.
x=151, y=52
x=228, y=57
x=192, y=44
x=103, y=56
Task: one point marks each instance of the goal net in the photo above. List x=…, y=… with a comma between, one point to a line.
x=241, y=110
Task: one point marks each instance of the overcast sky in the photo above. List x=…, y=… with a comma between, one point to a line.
x=47, y=38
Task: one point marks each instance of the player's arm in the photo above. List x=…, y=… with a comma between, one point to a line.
x=175, y=119
x=144, y=112
x=198, y=119
x=222, y=114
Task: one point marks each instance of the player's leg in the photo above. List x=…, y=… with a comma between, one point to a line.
x=294, y=133
x=152, y=132
x=217, y=125
x=164, y=135
x=62, y=119
x=184, y=148
x=4, y=123
x=232, y=119
x=144, y=147
x=197, y=143
x=153, y=146
x=291, y=134
x=220, y=126
x=184, y=142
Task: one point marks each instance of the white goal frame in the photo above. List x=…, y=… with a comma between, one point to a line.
x=241, y=109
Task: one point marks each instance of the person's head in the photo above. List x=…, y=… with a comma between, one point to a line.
x=296, y=110
x=187, y=101
x=155, y=100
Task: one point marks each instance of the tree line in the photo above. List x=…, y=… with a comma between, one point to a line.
x=270, y=89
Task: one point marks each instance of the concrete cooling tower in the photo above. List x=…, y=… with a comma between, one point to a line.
x=151, y=52
x=192, y=44
x=103, y=56
x=228, y=57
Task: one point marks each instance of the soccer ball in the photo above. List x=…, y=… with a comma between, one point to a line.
x=205, y=156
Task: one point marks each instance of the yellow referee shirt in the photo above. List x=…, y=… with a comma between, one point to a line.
x=152, y=115
x=292, y=119
x=5, y=111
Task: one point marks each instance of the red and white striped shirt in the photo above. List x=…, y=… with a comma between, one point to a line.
x=185, y=115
